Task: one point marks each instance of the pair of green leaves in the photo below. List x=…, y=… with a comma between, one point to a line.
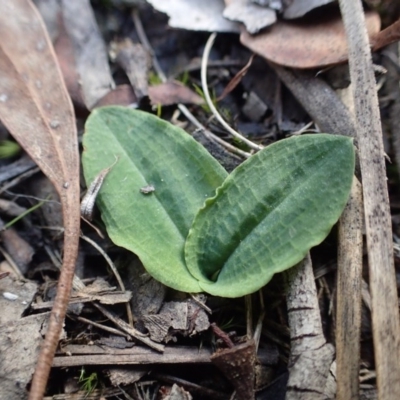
x=202, y=229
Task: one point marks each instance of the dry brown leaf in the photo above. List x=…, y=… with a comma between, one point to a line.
x=122, y=95
x=236, y=79
x=36, y=109
x=306, y=43
x=174, y=92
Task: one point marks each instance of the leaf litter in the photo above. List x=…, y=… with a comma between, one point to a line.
x=279, y=115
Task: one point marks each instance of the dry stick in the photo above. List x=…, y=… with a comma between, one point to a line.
x=12, y=264
x=385, y=314
x=103, y=327
x=129, y=330
x=349, y=279
x=115, y=272
x=309, y=350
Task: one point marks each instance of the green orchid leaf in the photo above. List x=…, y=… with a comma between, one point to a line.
x=151, y=195
x=269, y=212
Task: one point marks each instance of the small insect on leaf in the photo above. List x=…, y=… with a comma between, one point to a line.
x=147, y=189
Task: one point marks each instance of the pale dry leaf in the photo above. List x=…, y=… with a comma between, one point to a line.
x=298, y=8
x=205, y=15
x=252, y=15
x=89, y=49
x=36, y=109
x=80, y=49
x=135, y=60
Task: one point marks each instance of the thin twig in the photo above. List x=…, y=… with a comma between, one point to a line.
x=129, y=330
x=222, y=335
x=12, y=263
x=115, y=272
x=101, y=326
x=200, y=304
x=145, y=42
x=210, y=103
x=185, y=111
x=19, y=179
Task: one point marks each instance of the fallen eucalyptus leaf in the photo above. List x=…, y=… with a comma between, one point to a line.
x=269, y=212
x=152, y=152
x=306, y=43
x=36, y=109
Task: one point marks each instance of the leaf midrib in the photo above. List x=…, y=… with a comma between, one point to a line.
x=243, y=239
